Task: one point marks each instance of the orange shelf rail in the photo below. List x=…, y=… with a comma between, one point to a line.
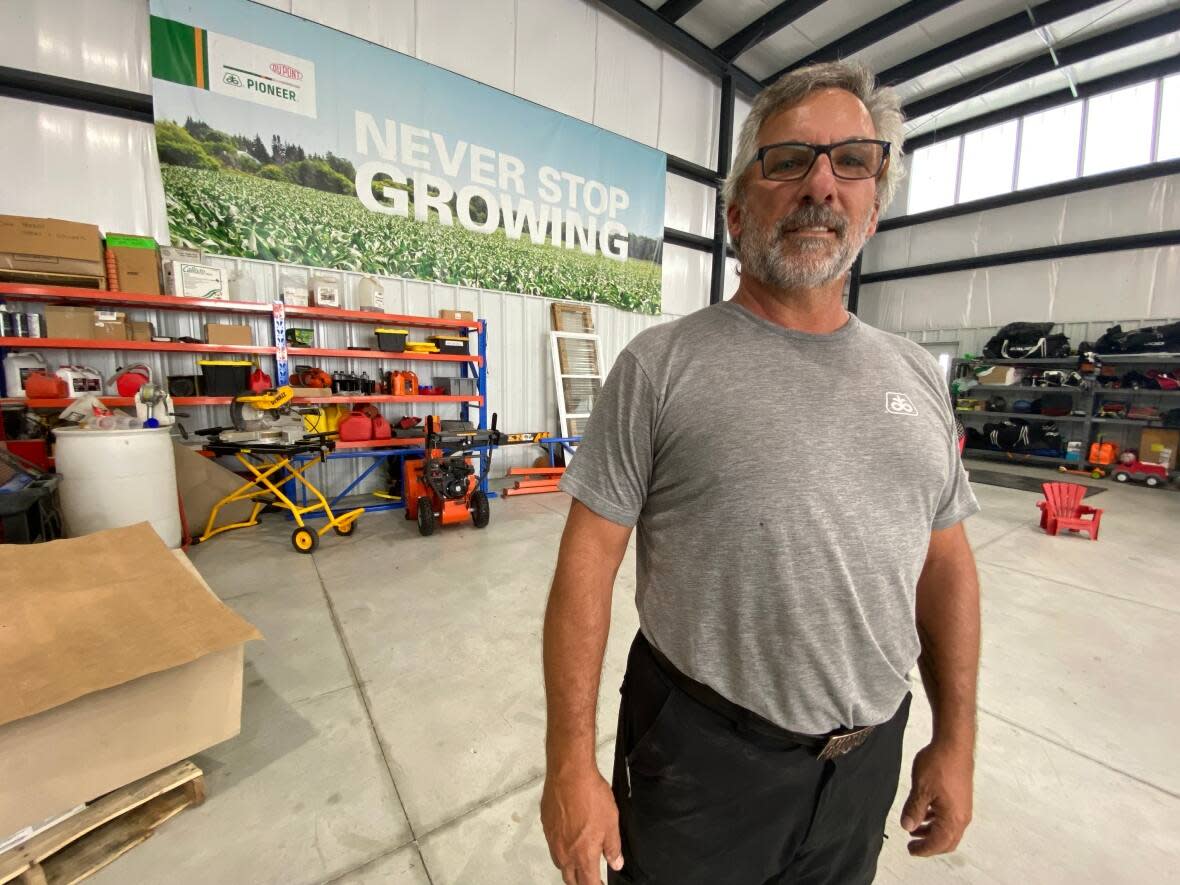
x=77, y=295
x=116, y=402
x=164, y=346
x=182, y=347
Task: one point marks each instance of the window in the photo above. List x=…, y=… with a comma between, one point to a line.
x=988, y=156
x=1049, y=143
x=1118, y=129
x=933, y=173
x=1169, y=143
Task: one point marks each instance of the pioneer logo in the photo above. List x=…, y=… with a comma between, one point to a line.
x=899, y=404
x=287, y=71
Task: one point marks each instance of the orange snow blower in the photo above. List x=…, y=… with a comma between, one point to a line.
x=443, y=488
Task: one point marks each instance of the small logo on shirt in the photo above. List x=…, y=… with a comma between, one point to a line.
x=899, y=404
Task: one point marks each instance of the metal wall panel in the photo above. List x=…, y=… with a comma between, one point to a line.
x=627, y=80
x=98, y=41
x=389, y=23
x=690, y=102
x=80, y=166
x=1138, y=285
x=555, y=55
x=686, y=280
x=1121, y=210
x=689, y=206
x=470, y=37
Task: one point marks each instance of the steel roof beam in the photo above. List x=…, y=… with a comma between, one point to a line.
x=663, y=31
x=985, y=38
x=674, y=10
x=766, y=26
x=875, y=31
x=1120, y=38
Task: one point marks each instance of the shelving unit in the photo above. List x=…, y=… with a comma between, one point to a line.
x=1084, y=400
x=20, y=292
x=74, y=295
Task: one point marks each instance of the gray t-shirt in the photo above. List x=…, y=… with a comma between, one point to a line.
x=785, y=485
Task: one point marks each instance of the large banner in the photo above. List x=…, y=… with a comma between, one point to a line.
x=288, y=141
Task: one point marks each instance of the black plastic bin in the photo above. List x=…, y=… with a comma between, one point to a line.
x=225, y=377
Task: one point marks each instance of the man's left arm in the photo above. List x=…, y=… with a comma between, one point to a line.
x=938, y=809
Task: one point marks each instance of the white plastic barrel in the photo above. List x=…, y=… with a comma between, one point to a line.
x=113, y=478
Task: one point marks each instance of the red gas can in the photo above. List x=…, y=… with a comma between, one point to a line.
x=355, y=427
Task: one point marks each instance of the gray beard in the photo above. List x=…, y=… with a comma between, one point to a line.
x=809, y=264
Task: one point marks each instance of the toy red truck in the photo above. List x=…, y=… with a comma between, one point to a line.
x=1131, y=468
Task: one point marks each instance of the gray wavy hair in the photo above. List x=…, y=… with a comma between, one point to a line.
x=882, y=103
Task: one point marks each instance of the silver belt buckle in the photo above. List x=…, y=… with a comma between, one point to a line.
x=844, y=743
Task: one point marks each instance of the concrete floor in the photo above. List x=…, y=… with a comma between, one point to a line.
x=393, y=719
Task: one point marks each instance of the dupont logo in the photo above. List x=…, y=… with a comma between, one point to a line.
x=899, y=404
x=284, y=70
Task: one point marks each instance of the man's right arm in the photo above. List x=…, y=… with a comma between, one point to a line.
x=577, y=808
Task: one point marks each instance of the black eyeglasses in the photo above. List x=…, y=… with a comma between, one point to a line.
x=857, y=158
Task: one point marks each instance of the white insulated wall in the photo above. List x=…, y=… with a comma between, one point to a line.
x=1087, y=293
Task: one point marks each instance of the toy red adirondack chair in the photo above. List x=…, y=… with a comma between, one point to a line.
x=1063, y=509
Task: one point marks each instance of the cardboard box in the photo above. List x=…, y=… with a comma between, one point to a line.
x=465, y=315
x=50, y=247
x=999, y=375
x=69, y=322
x=202, y=482
x=198, y=281
x=1158, y=446
x=225, y=333
x=125, y=663
x=138, y=265
x=170, y=254
x=138, y=331
x=111, y=325
x=296, y=296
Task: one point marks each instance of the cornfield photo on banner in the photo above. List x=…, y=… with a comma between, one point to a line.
x=232, y=213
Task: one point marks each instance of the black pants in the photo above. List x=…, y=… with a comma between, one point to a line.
x=705, y=801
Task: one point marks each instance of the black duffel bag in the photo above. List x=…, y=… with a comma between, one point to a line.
x=1149, y=339
x=1026, y=341
x=1009, y=435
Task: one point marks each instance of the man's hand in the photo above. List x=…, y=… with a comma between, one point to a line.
x=939, y=805
x=581, y=825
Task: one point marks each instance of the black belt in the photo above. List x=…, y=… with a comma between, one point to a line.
x=831, y=745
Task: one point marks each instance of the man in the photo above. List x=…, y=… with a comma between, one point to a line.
x=795, y=478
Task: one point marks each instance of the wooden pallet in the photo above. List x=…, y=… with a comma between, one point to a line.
x=80, y=846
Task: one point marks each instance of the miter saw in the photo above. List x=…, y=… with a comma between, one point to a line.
x=265, y=418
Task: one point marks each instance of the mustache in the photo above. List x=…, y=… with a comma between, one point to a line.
x=812, y=216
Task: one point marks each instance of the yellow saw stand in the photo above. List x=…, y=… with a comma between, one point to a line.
x=271, y=468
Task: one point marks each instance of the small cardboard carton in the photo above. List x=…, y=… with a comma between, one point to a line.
x=137, y=263
x=464, y=315
x=111, y=326
x=119, y=662
x=69, y=322
x=1159, y=446
x=228, y=333
x=198, y=281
